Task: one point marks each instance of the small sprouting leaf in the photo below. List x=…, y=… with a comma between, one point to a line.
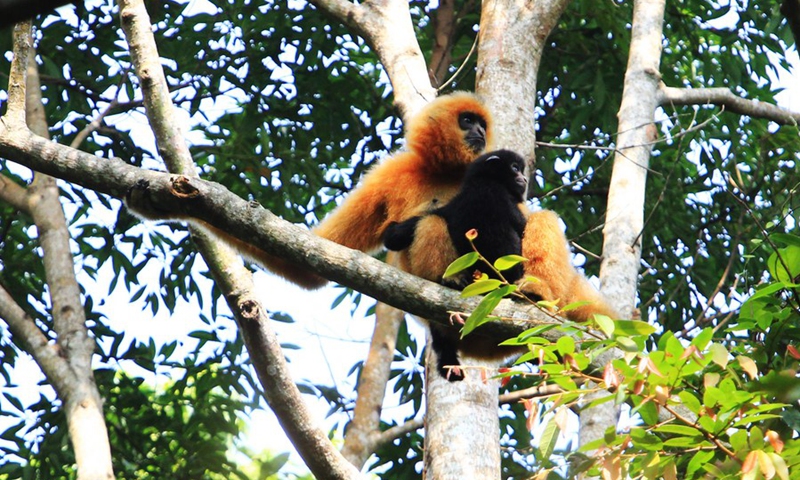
x=548, y=304
x=792, y=350
x=480, y=287
x=748, y=365
x=507, y=261
x=574, y=305
x=461, y=263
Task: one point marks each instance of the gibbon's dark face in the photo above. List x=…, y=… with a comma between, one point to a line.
x=506, y=167
x=474, y=127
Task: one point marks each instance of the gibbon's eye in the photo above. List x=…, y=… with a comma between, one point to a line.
x=469, y=120
x=515, y=168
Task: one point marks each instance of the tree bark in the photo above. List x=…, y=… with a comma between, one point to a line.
x=462, y=426
x=72, y=377
x=233, y=279
x=622, y=246
x=511, y=41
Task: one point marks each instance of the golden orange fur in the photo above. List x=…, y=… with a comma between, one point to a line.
x=549, y=260
x=428, y=171
x=547, y=251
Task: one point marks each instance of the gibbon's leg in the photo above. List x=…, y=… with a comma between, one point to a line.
x=549, y=260
x=545, y=247
x=445, y=344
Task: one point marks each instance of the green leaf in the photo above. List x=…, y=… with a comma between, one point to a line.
x=461, y=263
x=547, y=441
x=690, y=401
x=679, y=430
x=645, y=441
x=606, y=324
x=627, y=344
x=698, y=461
x=481, y=313
x=632, y=327
x=565, y=345
x=783, y=259
x=785, y=238
x=480, y=287
x=702, y=338
x=755, y=418
x=507, y=261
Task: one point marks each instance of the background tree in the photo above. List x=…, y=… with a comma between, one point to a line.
x=288, y=108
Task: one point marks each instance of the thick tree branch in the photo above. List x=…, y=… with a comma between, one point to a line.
x=360, y=440
x=233, y=279
x=13, y=194
x=622, y=246
x=72, y=378
x=505, y=60
x=214, y=204
x=444, y=25
x=723, y=97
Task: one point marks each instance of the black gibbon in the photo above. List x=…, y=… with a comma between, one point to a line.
x=441, y=141
x=489, y=202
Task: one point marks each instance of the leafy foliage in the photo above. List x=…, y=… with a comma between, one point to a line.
x=289, y=109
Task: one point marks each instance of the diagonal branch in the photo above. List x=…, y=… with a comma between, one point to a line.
x=47, y=355
x=14, y=194
x=723, y=97
x=233, y=279
x=72, y=378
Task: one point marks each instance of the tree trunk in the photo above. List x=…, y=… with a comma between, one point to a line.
x=462, y=427
x=622, y=246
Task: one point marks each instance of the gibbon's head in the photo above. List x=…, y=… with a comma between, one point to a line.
x=450, y=131
x=503, y=167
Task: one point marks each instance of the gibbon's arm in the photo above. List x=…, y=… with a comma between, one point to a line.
x=441, y=140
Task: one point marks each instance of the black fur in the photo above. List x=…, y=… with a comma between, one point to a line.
x=488, y=202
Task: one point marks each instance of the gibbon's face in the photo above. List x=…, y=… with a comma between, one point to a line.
x=518, y=169
x=474, y=128
x=505, y=167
